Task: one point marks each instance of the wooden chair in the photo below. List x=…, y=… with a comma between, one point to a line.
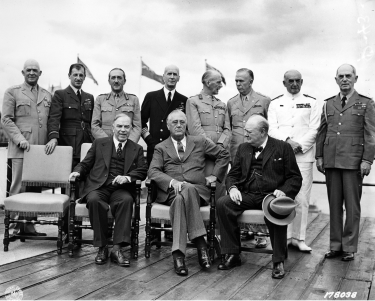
x=79, y=214
x=41, y=170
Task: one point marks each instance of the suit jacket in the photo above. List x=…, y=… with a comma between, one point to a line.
x=166, y=165
x=279, y=168
x=98, y=160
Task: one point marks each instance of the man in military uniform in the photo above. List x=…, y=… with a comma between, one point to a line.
x=294, y=117
x=70, y=117
x=25, y=112
x=345, y=150
x=107, y=106
x=207, y=115
x=156, y=107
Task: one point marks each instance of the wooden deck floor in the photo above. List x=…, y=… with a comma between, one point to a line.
x=309, y=276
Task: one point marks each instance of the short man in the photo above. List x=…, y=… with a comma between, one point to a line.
x=107, y=106
x=25, y=112
x=156, y=107
x=262, y=166
x=177, y=168
x=207, y=116
x=345, y=149
x=112, y=166
x=294, y=117
x=70, y=117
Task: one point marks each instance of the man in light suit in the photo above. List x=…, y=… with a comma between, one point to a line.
x=262, y=166
x=177, y=168
x=155, y=108
x=24, y=118
x=112, y=166
x=294, y=117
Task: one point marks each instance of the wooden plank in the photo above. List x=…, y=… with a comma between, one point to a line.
x=372, y=288
x=320, y=285
x=359, y=289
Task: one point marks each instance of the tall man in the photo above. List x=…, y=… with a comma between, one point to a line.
x=262, y=166
x=294, y=117
x=345, y=150
x=156, y=107
x=177, y=168
x=112, y=166
x=69, y=122
x=108, y=106
x=25, y=112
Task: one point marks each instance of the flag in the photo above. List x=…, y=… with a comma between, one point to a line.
x=209, y=67
x=146, y=71
x=88, y=72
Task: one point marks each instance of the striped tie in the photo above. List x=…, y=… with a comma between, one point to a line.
x=180, y=149
x=119, y=150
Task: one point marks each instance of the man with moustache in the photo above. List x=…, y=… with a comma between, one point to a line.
x=294, y=117
x=24, y=118
x=108, y=106
x=156, y=107
x=345, y=150
x=69, y=122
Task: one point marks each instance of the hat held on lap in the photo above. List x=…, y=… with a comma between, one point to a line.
x=280, y=211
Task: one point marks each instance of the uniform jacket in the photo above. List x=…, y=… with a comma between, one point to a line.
x=69, y=120
x=346, y=136
x=105, y=111
x=166, y=165
x=208, y=116
x=98, y=160
x=297, y=117
x=238, y=116
x=280, y=170
x=25, y=119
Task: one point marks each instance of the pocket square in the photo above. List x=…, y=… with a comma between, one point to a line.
x=277, y=159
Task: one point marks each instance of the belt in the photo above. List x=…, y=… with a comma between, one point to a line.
x=215, y=128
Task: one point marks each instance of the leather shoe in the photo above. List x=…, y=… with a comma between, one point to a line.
x=204, y=258
x=119, y=258
x=260, y=242
x=278, y=270
x=101, y=257
x=231, y=261
x=180, y=267
x=347, y=256
x=332, y=254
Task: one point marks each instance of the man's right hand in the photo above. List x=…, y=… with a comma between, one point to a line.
x=74, y=174
x=295, y=145
x=319, y=165
x=24, y=144
x=235, y=195
x=177, y=186
x=50, y=146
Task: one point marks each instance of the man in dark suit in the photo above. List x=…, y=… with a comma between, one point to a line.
x=345, y=149
x=155, y=108
x=262, y=166
x=178, y=168
x=112, y=165
x=69, y=121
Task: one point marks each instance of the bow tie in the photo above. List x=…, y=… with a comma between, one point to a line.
x=258, y=149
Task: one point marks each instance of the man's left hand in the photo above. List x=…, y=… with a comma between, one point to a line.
x=278, y=193
x=365, y=168
x=120, y=180
x=210, y=179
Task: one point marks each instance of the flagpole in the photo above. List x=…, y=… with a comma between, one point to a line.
x=140, y=82
x=77, y=57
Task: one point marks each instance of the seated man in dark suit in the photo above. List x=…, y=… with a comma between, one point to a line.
x=262, y=166
x=177, y=168
x=112, y=166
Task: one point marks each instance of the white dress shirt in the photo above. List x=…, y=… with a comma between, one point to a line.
x=166, y=91
x=263, y=145
x=183, y=141
x=75, y=90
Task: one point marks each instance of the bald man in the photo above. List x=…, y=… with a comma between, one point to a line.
x=156, y=107
x=294, y=117
x=345, y=150
x=25, y=113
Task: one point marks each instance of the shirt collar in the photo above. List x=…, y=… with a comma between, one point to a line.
x=290, y=95
x=166, y=91
x=264, y=143
x=75, y=90
x=347, y=96
x=247, y=95
x=120, y=94
x=30, y=86
x=183, y=141
x=116, y=142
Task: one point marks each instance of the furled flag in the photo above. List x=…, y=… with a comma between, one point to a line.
x=88, y=72
x=146, y=71
x=209, y=67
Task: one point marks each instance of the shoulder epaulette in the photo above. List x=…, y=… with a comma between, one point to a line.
x=261, y=94
x=233, y=97
x=309, y=96
x=126, y=96
x=277, y=97
x=216, y=98
x=16, y=87
x=200, y=96
x=330, y=98
x=364, y=96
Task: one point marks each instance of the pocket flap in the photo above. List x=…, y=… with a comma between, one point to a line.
x=25, y=128
x=69, y=132
x=70, y=106
x=127, y=109
x=23, y=102
x=106, y=109
x=357, y=141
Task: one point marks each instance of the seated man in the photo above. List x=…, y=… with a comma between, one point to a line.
x=177, y=168
x=112, y=164
x=262, y=166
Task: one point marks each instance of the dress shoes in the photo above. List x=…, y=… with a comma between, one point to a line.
x=231, y=261
x=180, y=267
x=347, y=256
x=119, y=258
x=332, y=254
x=101, y=257
x=260, y=242
x=301, y=245
x=204, y=258
x=278, y=270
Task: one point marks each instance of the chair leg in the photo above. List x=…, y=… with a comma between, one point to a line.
x=148, y=238
x=135, y=245
x=60, y=235
x=6, y=233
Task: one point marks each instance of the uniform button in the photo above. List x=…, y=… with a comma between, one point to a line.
x=116, y=109
x=105, y=175
x=339, y=123
x=82, y=113
x=161, y=139
x=161, y=130
x=338, y=133
x=40, y=118
x=244, y=121
x=38, y=111
x=358, y=114
x=162, y=120
x=70, y=107
x=341, y=114
x=40, y=126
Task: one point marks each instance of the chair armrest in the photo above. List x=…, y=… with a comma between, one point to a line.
x=74, y=188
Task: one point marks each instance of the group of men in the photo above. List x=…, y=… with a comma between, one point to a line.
x=271, y=146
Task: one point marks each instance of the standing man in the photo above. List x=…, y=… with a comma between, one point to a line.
x=107, y=106
x=345, y=150
x=69, y=122
x=24, y=118
x=294, y=117
x=156, y=107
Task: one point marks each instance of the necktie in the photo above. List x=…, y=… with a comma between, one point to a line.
x=79, y=95
x=180, y=150
x=244, y=101
x=116, y=98
x=169, y=99
x=343, y=101
x=258, y=149
x=119, y=150
x=35, y=92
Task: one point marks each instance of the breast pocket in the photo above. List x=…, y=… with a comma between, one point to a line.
x=23, y=108
x=220, y=115
x=237, y=118
x=358, y=117
x=127, y=110
x=70, y=111
x=205, y=115
x=330, y=117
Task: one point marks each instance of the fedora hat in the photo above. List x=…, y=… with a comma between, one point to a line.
x=280, y=211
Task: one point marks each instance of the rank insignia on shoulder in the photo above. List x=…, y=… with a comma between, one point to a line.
x=309, y=96
x=126, y=96
x=261, y=94
x=359, y=106
x=330, y=98
x=303, y=106
x=278, y=96
x=364, y=96
x=200, y=96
